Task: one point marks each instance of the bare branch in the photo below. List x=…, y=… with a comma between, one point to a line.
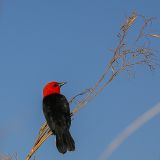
x=147, y=22
x=154, y=35
x=124, y=59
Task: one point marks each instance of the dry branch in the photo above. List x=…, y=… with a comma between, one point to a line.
x=154, y=35
x=124, y=58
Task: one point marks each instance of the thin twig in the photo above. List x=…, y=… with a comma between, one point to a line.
x=124, y=58
x=154, y=35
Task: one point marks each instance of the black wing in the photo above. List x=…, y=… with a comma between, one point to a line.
x=57, y=112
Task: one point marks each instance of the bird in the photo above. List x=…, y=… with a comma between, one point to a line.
x=58, y=116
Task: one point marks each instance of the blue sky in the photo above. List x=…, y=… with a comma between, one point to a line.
x=41, y=41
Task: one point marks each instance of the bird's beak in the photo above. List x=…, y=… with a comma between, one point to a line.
x=61, y=84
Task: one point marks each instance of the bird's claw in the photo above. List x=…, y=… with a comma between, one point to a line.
x=71, y=114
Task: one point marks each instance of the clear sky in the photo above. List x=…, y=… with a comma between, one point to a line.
x=41, y=41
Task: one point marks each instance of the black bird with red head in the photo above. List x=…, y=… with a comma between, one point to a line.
x=57, y=113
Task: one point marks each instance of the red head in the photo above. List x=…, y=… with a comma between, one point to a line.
x=52, y=88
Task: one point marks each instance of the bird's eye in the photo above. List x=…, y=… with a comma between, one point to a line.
x=55, y=85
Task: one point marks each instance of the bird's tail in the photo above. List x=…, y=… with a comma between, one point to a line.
x=64, y=142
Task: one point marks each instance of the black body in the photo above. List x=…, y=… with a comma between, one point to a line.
x=57, y=113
